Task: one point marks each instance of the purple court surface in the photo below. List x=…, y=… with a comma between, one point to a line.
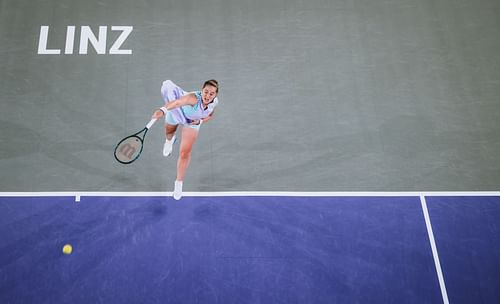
x=250, y=249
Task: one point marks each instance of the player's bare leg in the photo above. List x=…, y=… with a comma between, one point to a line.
x=170, y=139
x=189, y=136
x=170, y=131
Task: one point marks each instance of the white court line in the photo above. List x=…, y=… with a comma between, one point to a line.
x=255, y=193
x=442, y=285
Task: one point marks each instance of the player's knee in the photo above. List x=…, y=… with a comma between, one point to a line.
x=185, y=154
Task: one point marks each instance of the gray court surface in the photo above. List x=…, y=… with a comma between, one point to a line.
x=352, y=95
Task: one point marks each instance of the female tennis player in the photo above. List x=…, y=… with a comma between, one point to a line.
x=189, y=109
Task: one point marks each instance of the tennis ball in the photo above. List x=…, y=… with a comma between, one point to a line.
x=67, y=249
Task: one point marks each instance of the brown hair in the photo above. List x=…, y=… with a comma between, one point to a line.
x=213, y=83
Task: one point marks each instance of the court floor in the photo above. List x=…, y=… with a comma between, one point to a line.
x=250, y=248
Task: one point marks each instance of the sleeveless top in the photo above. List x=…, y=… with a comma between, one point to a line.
x=195, y=112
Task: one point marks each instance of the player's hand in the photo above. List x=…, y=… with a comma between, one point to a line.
x=196, y=122
x=157, y=114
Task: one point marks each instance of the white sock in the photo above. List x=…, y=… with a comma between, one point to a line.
x=177, y=190
x=170, y=140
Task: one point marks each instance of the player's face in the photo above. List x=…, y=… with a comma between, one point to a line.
x=208, y=93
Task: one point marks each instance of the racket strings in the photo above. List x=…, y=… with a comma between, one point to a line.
x=128, y=149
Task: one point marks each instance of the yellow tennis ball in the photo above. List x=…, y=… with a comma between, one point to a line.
x=67, y=249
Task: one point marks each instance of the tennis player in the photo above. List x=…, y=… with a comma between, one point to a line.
x=189, y=109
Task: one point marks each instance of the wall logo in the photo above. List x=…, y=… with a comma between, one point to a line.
x=98, y=42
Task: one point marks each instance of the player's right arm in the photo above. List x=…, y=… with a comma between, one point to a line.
x=188, y=99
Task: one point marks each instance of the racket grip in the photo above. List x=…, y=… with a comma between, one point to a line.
x=151, y=122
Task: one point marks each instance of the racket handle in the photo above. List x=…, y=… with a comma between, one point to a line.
x=151, y=122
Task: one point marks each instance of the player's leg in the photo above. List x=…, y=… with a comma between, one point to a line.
x=170, y=128
x=170, y=131
x=189, y=135
x=170, y=91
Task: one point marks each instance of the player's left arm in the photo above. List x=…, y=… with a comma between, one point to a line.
x=210, y=116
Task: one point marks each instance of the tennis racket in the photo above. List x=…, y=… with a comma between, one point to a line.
x=129, y=149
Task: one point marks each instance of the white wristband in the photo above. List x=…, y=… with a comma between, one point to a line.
x=164, y=110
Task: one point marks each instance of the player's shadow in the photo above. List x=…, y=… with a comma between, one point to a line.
x=158, y=211
x=207, y=211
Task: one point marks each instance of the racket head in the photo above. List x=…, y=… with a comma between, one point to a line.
x=129, y=149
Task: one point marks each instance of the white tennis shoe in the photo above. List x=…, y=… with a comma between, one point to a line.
x=178, y=190
x=167, y=147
